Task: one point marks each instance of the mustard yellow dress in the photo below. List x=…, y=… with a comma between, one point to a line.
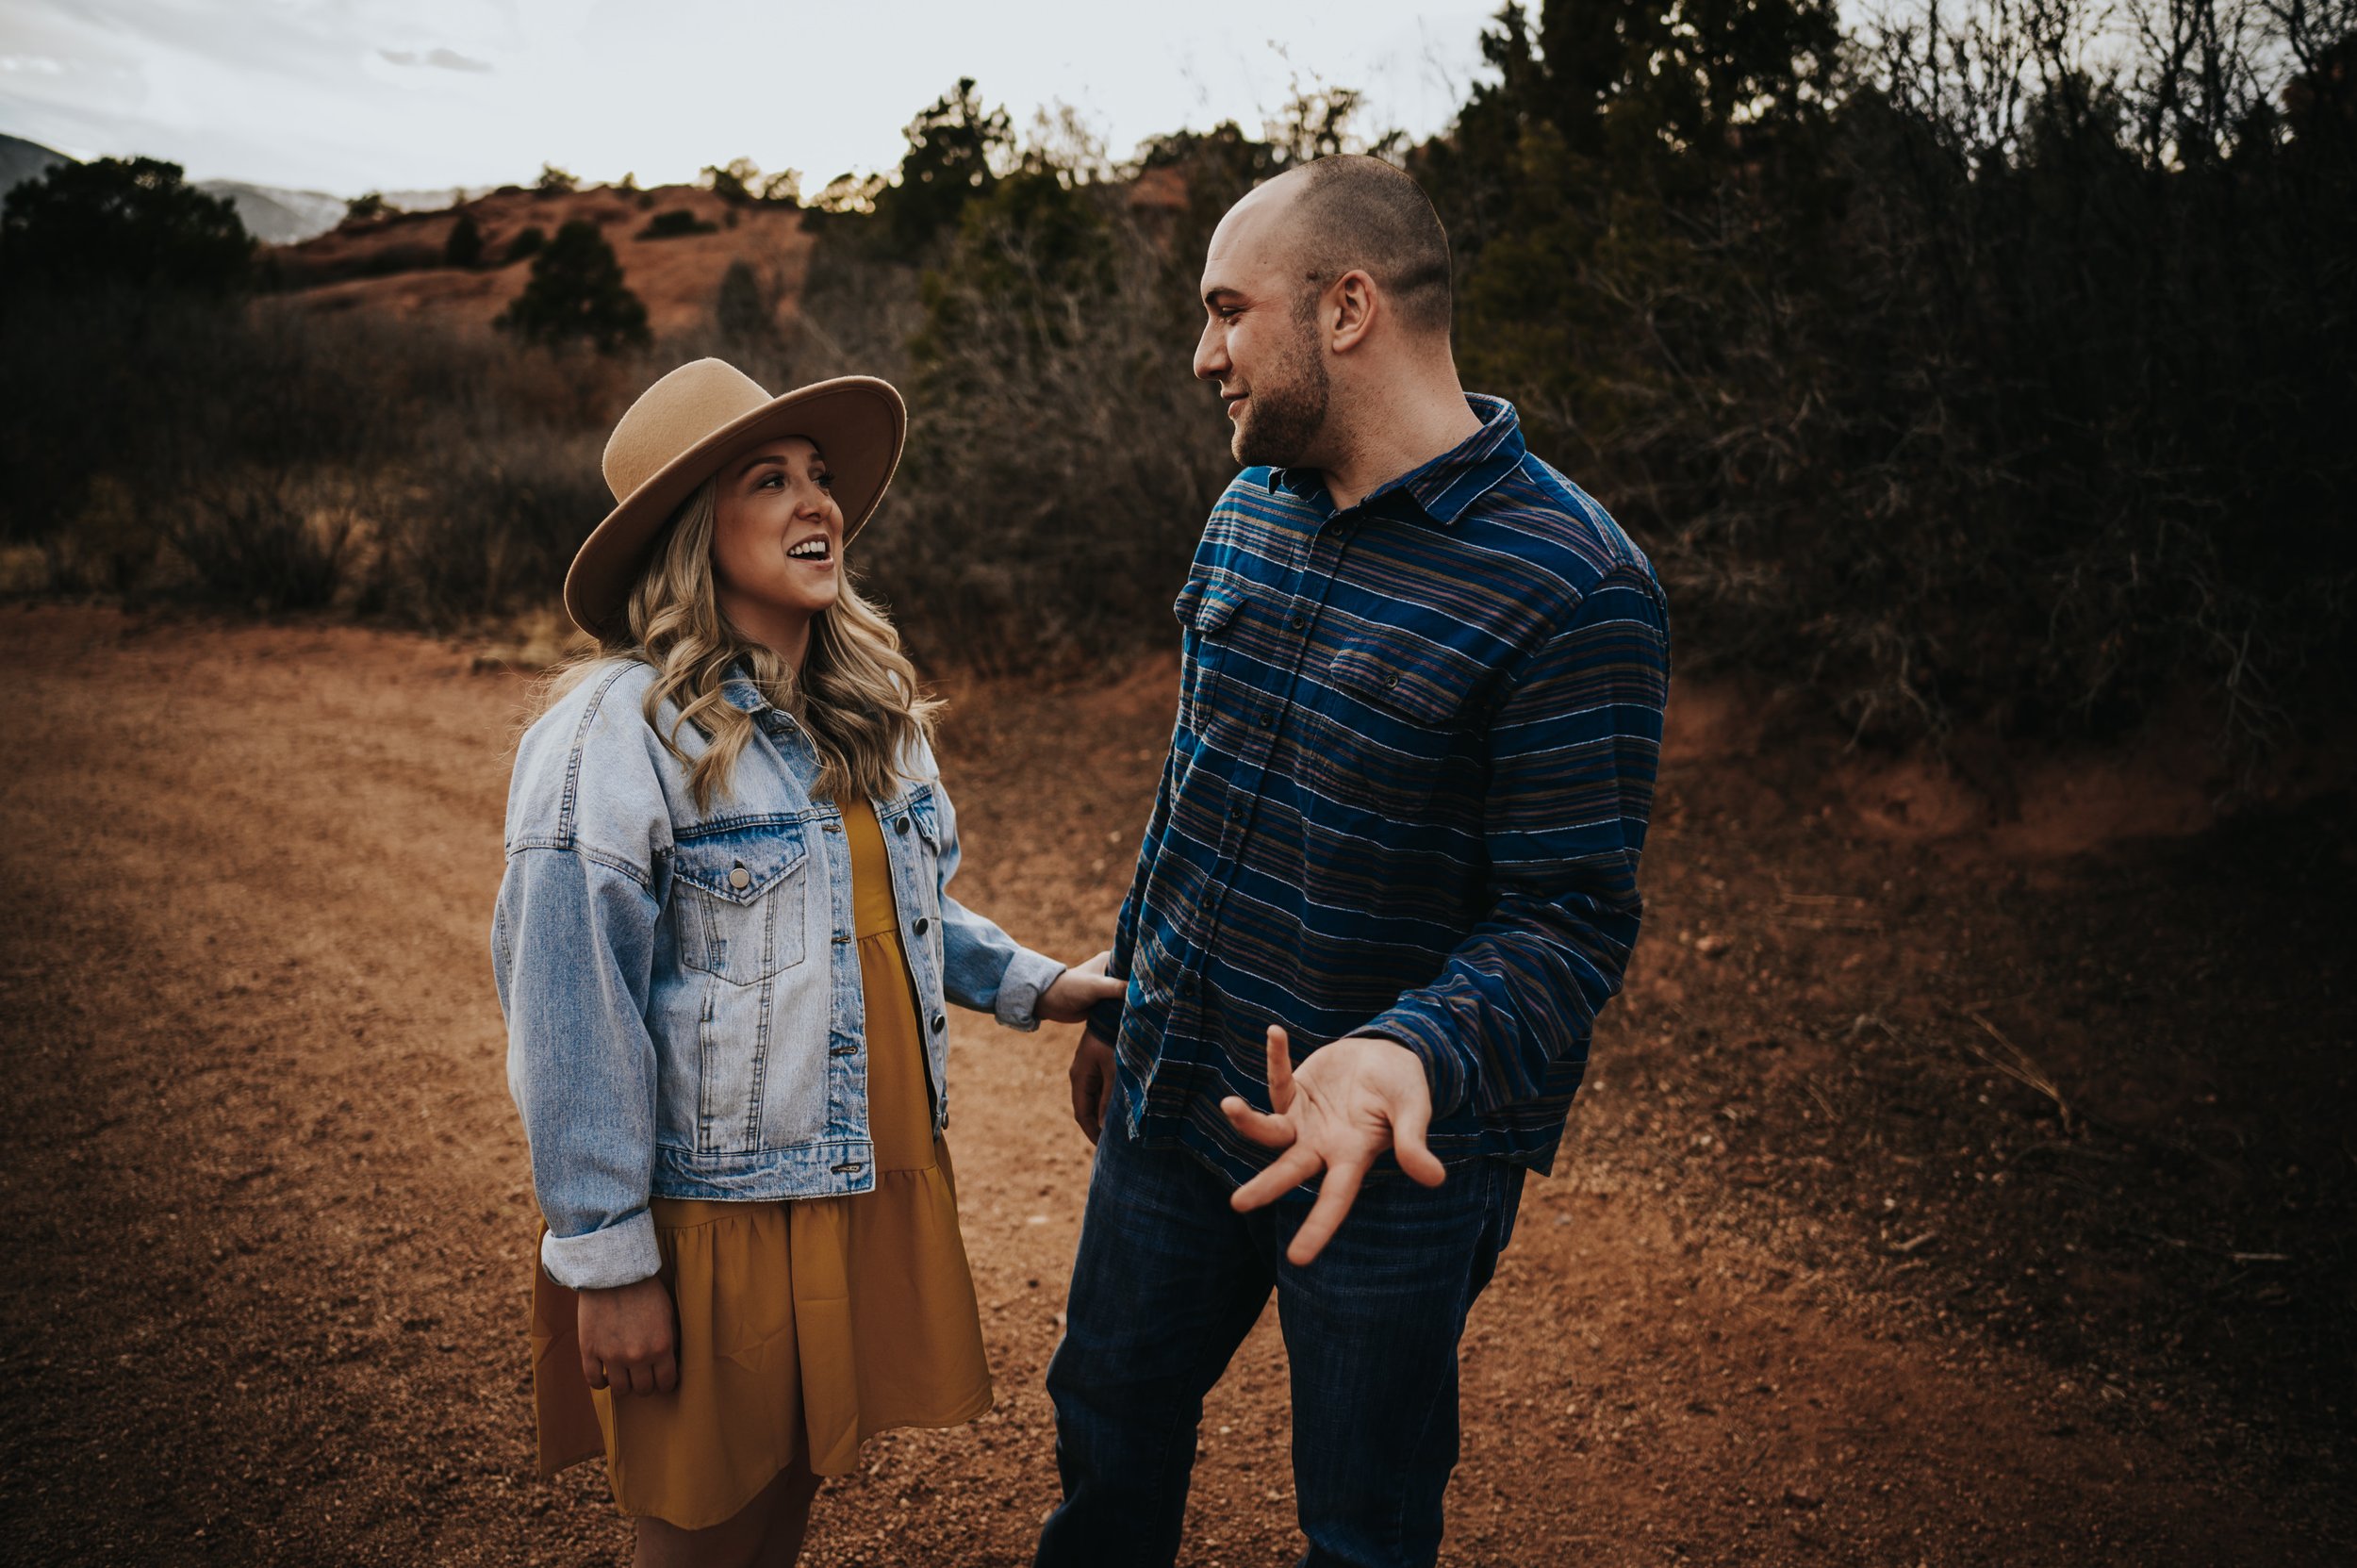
x=805, y=1327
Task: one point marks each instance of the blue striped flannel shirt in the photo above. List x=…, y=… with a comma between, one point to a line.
x=1406, y=796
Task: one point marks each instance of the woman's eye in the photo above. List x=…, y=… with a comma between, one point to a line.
x=826, y=482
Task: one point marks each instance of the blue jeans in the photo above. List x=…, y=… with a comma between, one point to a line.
x=1168, y=1281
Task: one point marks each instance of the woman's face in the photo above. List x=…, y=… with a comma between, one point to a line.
x=777, y=543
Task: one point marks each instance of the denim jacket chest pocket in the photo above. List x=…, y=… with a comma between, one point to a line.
x=741, y=898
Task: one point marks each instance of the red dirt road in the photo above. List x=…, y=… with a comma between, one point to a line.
x=271, y=1225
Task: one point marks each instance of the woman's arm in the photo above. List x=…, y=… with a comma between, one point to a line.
x=574, y=940
x=982, y=968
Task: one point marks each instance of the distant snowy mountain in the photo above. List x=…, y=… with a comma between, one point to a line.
x=277, y=216
x=270, y=213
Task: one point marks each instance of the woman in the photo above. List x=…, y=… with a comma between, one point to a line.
x=723, y=943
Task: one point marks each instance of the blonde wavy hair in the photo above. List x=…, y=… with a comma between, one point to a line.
x=855, y=697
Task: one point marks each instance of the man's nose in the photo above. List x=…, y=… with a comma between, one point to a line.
x=1210, y=355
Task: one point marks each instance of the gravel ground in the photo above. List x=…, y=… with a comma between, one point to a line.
x=1953, y=1185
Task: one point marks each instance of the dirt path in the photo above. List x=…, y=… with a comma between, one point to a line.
x=271, y=1223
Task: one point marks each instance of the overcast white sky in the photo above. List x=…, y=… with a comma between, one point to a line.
x=349, y=95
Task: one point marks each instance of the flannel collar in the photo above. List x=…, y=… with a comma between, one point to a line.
x=1444, y=487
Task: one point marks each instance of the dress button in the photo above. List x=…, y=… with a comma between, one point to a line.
x=1268, y=719
x=1235, y=814
x=740, y=878
x=923, y=925
x=940, y=1023
x=1298, y=621
x=901, y=826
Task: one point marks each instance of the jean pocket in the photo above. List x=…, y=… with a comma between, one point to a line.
x=742, y=898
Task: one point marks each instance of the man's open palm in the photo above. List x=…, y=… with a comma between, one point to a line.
x=1347, y=1104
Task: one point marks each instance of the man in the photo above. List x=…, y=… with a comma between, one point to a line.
x=1389, y=879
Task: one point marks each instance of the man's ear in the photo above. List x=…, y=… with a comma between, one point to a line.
x=1351, y=306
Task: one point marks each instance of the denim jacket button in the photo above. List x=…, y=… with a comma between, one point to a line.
x=740, y=878
x=901, y=826
x=923, y=925
x=940, y=1023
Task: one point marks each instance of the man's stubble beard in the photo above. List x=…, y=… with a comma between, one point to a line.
x=1282, y=418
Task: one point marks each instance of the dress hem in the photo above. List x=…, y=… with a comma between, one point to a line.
x=972, y=1411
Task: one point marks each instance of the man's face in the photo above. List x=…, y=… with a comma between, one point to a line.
x=1259, y=342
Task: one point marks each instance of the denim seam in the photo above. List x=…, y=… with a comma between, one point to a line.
x=1423, y=1427
x=761, y=1041
x=581, y=739
x=612, y=861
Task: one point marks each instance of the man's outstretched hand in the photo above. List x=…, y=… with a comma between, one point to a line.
x=1347, y=1104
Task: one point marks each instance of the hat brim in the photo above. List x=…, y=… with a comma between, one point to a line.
x=859, y=425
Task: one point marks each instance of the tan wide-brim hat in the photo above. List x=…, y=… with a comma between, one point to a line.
x=692, y=421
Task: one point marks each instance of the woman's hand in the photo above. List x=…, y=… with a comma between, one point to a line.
x=627, y=1338
x=1076, y=990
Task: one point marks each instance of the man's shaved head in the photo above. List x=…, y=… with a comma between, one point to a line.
x=1350, y=211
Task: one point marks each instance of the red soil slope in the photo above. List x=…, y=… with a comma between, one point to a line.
x=395, y=265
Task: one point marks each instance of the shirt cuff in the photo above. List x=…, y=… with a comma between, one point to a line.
x=1104, y=1020
x=1443, y=1067
x=620, y=1254
x=1029, y=976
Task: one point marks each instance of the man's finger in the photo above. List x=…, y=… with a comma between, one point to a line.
x=1290, y=1170
x=666, y=1372
x=593, y=1369
x=1336, y=1194
x=1100, y=1092
x=1407, y=1145
x=1259, y=1126
x=1280, y=1070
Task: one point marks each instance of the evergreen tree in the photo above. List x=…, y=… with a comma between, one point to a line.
x=742, y=309
x=577, y=294
x=464, y=247
x=121, y=220
x=953, y=147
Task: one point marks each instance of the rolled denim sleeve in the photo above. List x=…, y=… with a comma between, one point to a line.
x=574, y=948
x=1574, y=749
x=982, y=968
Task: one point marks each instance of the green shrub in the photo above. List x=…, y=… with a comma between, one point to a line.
x=674, y=223
x=528, y=242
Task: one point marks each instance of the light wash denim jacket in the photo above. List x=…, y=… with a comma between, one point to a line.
x=681, y=987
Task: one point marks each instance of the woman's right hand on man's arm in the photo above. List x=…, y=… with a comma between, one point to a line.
x=628, y=1340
